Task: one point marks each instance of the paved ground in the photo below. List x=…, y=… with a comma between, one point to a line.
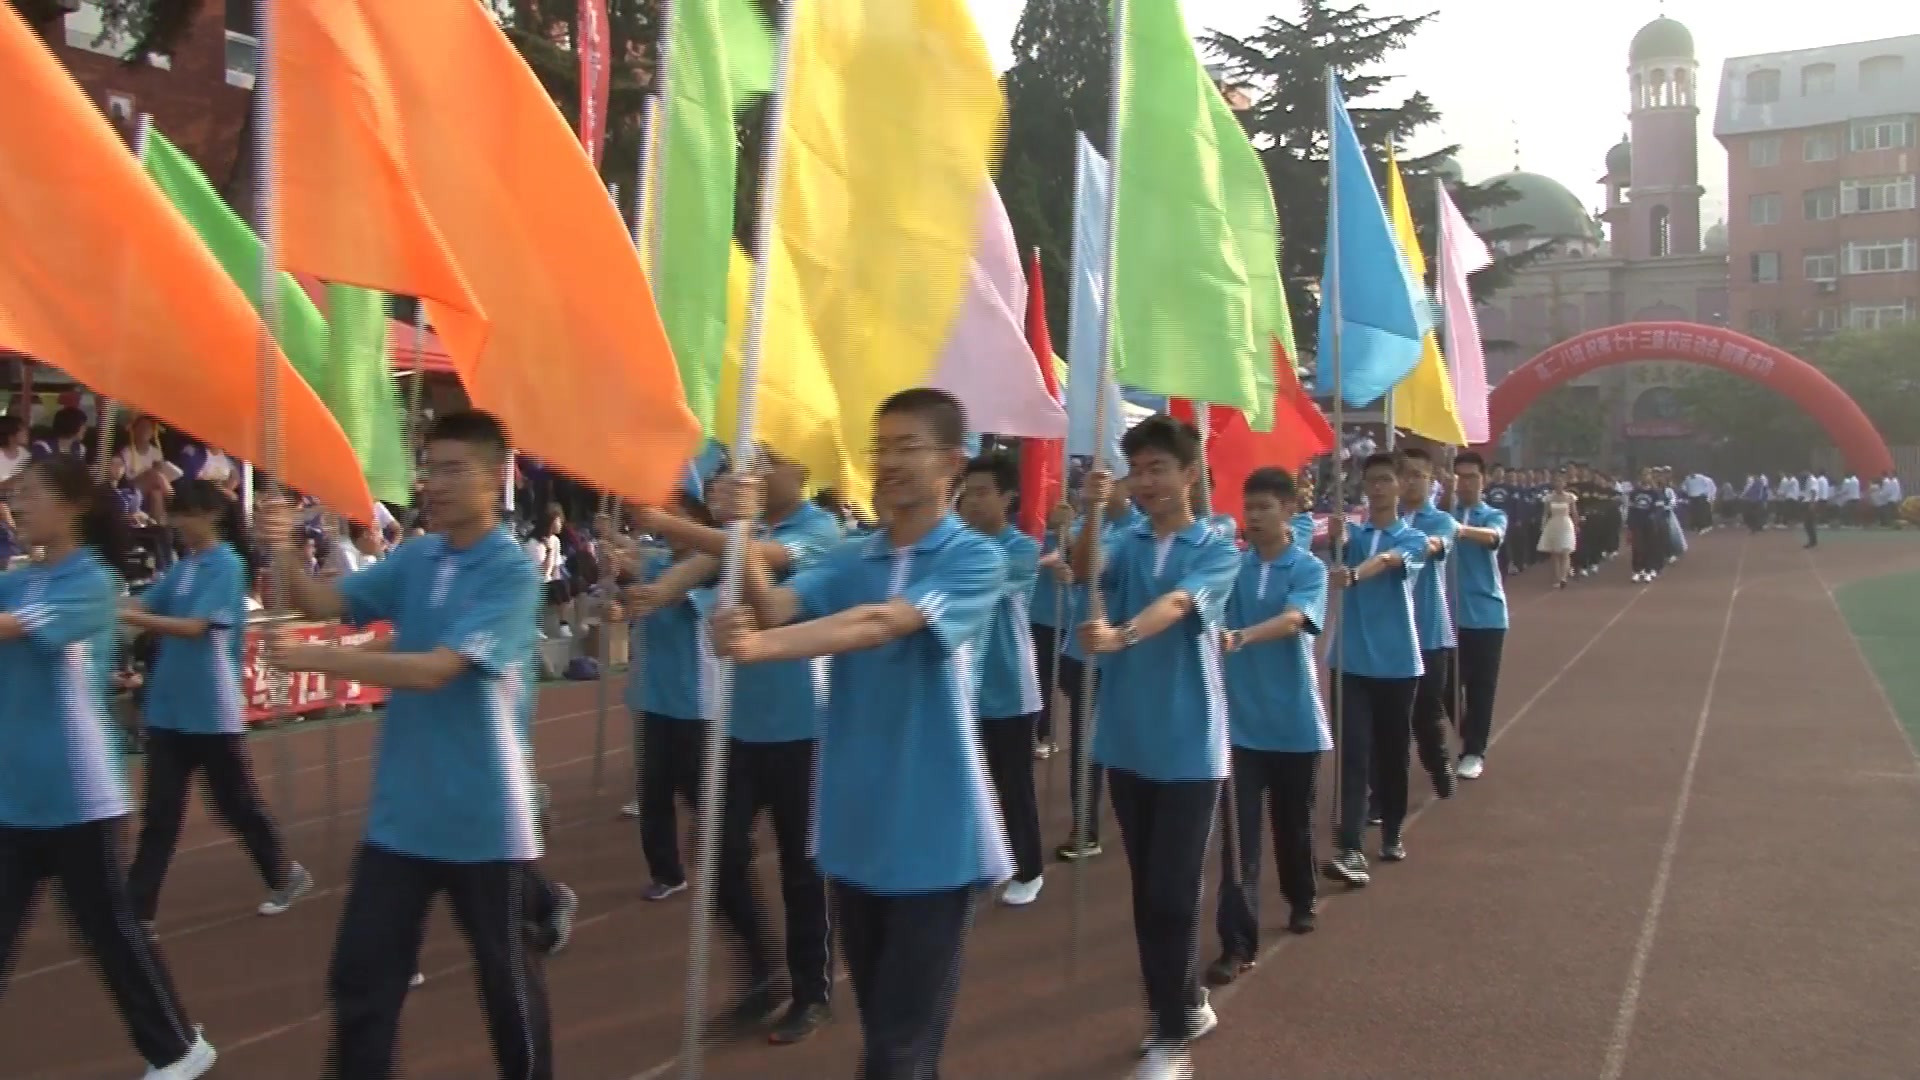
x=1646, y=884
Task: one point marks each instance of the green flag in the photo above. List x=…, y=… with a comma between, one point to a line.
x=722, y=54
x=1196, y=274
x=347, y=368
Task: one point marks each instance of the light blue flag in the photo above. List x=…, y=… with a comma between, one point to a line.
x=1372, y=315
x=1086, y=308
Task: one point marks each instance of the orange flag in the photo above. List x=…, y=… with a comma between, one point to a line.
x=420, y=120
x=104, y=280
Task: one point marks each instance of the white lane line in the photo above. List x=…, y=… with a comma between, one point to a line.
x=1615, y=1062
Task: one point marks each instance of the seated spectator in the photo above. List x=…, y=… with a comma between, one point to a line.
x=14, y=450
x=200, y=461
x=66, y=437
x=363, y=547
x=140, y=467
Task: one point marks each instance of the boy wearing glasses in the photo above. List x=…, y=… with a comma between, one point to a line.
x=906, y=830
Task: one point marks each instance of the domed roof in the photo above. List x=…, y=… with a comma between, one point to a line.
x=1544, y=206
x=1620, y=159
x=1449, y=170
x=1715, y=242
x=1661, y=39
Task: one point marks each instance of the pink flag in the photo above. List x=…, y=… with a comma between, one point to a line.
x=988, y=363
x=1463, y=253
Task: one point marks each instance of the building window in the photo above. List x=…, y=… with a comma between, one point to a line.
x=1763, y=86
x=1879, y=257
x=1874, y=195
x=1820, y=204
x=86, y=31
x=1826, y=320
x=1820, y=265
x=1765, y=266
x=1661, y=242
x=1880, y=72
x=1819, y=146
x=1878, y=316
x=1763, y=152
x=1880, y=133
x=1816, y=80
x=1763, y=324
x=243, y=59
x=1763, y=209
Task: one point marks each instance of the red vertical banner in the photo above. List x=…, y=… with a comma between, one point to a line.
x=595, y=77
x=1040, y=478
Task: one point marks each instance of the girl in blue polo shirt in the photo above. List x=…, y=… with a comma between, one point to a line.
x=62, y=792
x=196, y=710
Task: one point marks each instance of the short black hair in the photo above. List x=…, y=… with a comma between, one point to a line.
x=1000, y=466
x=1383, y=459
x=481, y=430
x=1270, y=481
x=9, y=427
x=1176, y=438
x=941, y=410
x=1415, y=453
x=1469, y=457
x=69, y=422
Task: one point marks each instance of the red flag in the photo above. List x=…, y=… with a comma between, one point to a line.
x=595, y=78
x=1039, y=458
x=1235, y=450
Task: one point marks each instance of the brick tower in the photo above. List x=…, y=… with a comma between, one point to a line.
x=1662, y=210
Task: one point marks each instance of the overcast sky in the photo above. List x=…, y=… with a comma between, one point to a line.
x=1554, y=103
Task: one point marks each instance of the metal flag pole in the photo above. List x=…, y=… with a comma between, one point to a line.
x=106, y=408
x=644, y=213
x=732, y=573
x=603, y=646
x=1337, y=520
x=1096, y=511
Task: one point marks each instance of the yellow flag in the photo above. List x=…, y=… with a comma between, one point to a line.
x=798, y=414
x=1423, y=402
x=879, y=229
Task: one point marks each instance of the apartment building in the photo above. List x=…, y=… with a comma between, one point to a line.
x=1823, y=229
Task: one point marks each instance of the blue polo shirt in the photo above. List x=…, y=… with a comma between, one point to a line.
x=62, y=763
x=1376, y=634
x=1163, y=702
x=1431, y=611
x=195, y=684
x=666, y=646
x=1479, y=589
x=1302, y=527
x=1048, y=603
x=1009, y=676
x=1273, y=690
x=902, y=803
x=454, y=780
x=1077, y=594
x=779, y=702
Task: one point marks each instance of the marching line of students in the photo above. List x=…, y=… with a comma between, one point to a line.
x=890, y=707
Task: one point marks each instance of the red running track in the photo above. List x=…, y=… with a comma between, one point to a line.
x=1693, y=855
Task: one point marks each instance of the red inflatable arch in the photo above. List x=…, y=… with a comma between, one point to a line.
x=1865, y=452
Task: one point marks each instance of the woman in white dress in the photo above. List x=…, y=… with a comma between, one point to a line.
x=1557, y=532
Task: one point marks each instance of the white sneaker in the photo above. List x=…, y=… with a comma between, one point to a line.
x=198, y=1062
x=1022, y=893
x=417, y=980
x=632, y=809
x=299, y=884
x=1200, y=1022
x=1164, y=1061
x=1471, y=766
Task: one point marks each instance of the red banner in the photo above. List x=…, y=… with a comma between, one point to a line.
x=595, y=79
x=308, y=692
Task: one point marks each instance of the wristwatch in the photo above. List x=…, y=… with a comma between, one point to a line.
x=1353, y=576
x=1129, y=635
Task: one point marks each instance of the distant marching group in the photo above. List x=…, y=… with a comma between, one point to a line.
x=892, y=697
